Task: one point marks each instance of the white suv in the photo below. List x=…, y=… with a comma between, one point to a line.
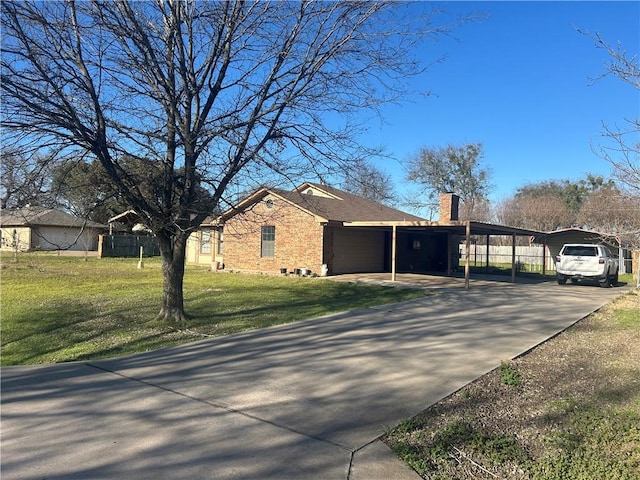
x=580, y=261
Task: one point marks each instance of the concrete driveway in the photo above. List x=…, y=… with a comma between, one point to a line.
x=300, y=401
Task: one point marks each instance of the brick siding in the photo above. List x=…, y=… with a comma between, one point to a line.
x=449, y=204
x=298, y=239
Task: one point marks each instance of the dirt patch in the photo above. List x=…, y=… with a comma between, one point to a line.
x=555, y=400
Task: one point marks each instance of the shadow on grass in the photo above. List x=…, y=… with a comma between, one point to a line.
x=86, y=329
x=69, y=332
x=283, y=304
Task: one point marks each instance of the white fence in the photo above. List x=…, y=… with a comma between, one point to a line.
x=531, y=257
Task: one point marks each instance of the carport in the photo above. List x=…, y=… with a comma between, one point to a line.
x=556, y=239
x=454, y=232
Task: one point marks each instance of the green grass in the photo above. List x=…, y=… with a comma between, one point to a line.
x=510, y=375
x=589, y=431
x=592, y=441
x=458, y=437
x=57, y=309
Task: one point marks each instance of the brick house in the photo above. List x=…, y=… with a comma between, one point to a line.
x=323, y=230
x=306, y=229
x=328, y=232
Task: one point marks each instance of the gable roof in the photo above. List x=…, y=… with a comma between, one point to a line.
x=328, y=204
x=580, y=235
x=38, y=216
x=128, y=216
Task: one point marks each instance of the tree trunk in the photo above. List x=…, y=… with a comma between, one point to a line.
x=172, y=250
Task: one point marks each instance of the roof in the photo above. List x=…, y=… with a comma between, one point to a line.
x=564, y=231
x=128, y=216
x=454, y=227
x=38, y=216
x=329, y=204
x=581, y=235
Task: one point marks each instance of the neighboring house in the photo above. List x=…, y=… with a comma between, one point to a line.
x=205, y=246
x=37, y=228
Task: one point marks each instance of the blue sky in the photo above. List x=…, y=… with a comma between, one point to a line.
x=521, y=82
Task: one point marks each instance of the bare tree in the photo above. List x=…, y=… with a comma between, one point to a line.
x=550, y=204
x=25, y=179
x=613, y=211
x=368, y=181
x=544, y=213
x=221, y=92
x=454, y=169
x=622, y=149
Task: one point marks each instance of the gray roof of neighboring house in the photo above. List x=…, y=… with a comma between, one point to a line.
x=341, y=206
x=38, y=216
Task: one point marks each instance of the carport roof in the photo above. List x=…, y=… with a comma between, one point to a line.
x=581, y=235
x=455, y=228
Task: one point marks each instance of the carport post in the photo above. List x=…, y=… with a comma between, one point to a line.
x=449, y=253
x=467, y=267
x=486, y=267
x=544, y=257
x=513, y=257
x=393, y=253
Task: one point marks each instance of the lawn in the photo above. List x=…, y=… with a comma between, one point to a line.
x=567, y=410
x=58, y=308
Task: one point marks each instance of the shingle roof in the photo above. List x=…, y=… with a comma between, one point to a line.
x=341, y=206
x=38, y=216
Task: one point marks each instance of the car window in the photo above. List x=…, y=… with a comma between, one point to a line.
x=580, y=251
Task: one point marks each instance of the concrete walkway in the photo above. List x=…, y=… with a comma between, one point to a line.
x=301, y=401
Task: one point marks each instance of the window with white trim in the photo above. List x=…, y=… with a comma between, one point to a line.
x=205, y=240
x=268, y=243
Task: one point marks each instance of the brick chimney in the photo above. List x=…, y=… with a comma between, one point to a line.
x=448, y=207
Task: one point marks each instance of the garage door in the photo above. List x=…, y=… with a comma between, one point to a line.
x=358, y=250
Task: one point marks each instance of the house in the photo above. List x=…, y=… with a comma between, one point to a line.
x=36, y=228
x=312, y=228
x=306, y=228
x=323, y=230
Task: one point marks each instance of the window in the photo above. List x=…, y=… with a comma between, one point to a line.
x=268, y=242
x=580, y=251
x=220, y=241
x=205, y=241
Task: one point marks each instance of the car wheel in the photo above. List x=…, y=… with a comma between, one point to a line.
x=606, y=282
x=561, y=280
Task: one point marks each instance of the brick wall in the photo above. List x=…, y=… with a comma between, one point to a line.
x=449, y=204
x=298, y=239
